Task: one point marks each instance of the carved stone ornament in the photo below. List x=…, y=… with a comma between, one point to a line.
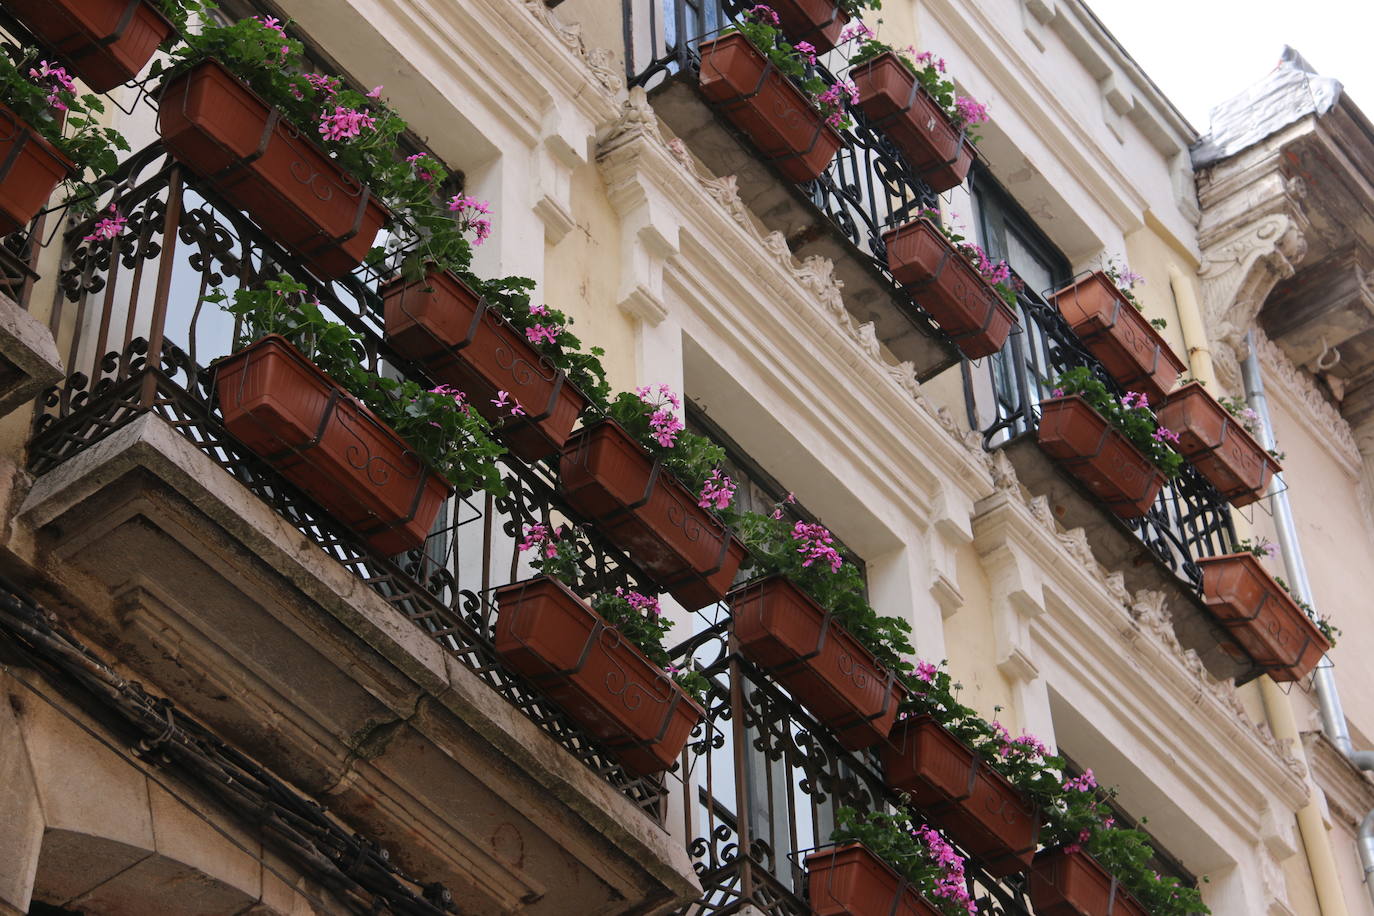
x=600, y=61
x=1329, y=426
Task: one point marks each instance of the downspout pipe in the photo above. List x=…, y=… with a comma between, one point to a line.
x=1334, y=724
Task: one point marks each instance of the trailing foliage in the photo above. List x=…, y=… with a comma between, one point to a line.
x=962, y=111
x=919, y=854
x=560, y=552
x=42, y=94
x=437, y=423
x=1130, y=414
x=649, y=415
x=797, y=63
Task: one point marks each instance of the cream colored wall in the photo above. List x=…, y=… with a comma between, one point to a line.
x=1150, y=252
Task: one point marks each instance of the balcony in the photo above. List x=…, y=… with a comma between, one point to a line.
x=1159, y=551
x=370, y=678
x=866, y=190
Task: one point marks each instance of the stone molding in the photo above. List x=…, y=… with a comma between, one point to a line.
x=1349, y=791
x=1294, y=385
x=600, y=61
x=1136, y=626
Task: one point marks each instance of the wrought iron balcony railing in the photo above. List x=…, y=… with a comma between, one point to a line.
x=765, y=782
x=1189, y=519
x=138, y=338
x=867, y=189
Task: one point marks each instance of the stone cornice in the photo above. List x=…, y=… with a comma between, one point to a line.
x=1096, y=624
x=664, y=195
x=1349, y=791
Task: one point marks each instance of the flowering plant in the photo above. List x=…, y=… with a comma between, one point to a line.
x=42, y=94
x=437, y=423
x=919, y=854
x=1076, y=811
x=806, y=554
x=1130, y=414
x=997, y=273
x=1264, y=549
x=962, y=111
x=796, y=62
x=1126, y=280
x=559, y=552
x=649, y=415
x=1249, y=420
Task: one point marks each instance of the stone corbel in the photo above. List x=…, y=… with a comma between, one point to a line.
x=627, y=155
x=563, y=149
x=1035, y=15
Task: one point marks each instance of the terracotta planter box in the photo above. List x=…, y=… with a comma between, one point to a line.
x=647, y=512
x=1121, y=337
x=462, y=341
x=1266, y=621
x=851, y=881
x=947, y=286
x=765, y=105
x=779, y=628
x=104, y=42
x=598, y=677
x=1103, y=460
x=30, y=168
x=261, y=164
x=1073, y=884
x=297, y=419
x=818, y=21
x=969, y=800
x=898, y=105
x=1218, y=445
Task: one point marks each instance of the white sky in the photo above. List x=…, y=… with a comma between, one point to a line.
x=1201, y=52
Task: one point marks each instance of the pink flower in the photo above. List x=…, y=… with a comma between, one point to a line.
x=108, y=227
x=718, y=490
x=1057, y=393
x=969, y=111
x=58, y=82
x=273, y=23
x=541, y=333
x=540, y=538
x=925, y=671
x=504, y=399
x=472, y=215
x=345, y=123
x=376, y=93
x=326, y=85
x=854, y=30
x=664, y=427
x=418, y=161
x=539, y=309
x=1165, y=435
x=1134, y=399
x=459, y=397
x=643, y=603
x=816, y=543
x=763, y=14
x=1085, y=783
x=807, y=50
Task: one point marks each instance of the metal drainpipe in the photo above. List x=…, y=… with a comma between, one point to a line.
x=1328, y=695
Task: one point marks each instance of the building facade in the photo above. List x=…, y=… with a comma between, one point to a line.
x=222, y=700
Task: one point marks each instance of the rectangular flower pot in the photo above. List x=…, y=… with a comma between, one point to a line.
x=897, y=104
x=647, y=512
x=1218, y=445
x=263, y=165
x=1073, y=884
x=297, y=419
x=104, y=42
x=763, y=103
x=30, y=169
x=779, y=628
x=948, y=287
x=819, y=22
x=1266, y=621
x=1099, y=456
x=966, y=798
x=1117, y=333
x=849, y=880
x=463, y=341
x=601, y=679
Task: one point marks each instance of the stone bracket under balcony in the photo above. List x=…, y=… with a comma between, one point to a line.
x=29, y=362
x=784, y=206
x=204, y=591
x=1119, y=549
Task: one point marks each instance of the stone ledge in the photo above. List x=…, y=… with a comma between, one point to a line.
x=249, y=626
x=29, y=361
